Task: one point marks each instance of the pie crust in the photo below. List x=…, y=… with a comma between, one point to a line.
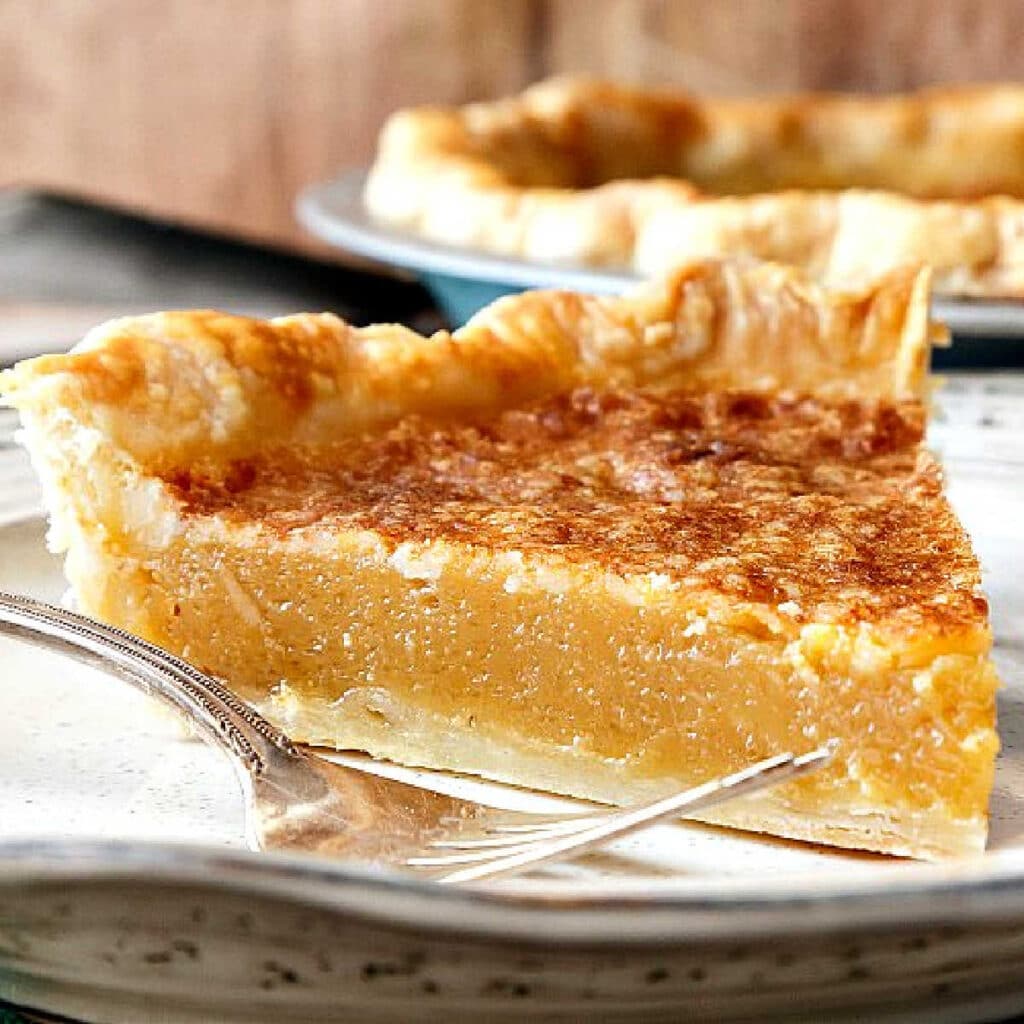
x=604, y=547
x=586, y=172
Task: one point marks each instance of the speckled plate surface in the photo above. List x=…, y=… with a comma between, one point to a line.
x=464, y=280
x=126, y=895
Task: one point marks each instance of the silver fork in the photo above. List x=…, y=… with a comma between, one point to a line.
x=300, y=802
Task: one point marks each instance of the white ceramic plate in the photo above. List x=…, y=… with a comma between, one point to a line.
x=334, y=212
x=124, y=885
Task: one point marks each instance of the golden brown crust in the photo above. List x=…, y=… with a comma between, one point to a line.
x=173, y=386
x=830, y=508
x=589, y=172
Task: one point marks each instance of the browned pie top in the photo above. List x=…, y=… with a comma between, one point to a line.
x=833, y=507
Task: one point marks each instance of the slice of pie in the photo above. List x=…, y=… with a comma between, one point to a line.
x=602, y=547
x=590, y=172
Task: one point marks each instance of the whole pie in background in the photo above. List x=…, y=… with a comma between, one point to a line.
x=590, y=173
x=604, y=547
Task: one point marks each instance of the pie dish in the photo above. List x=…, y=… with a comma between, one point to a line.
x=594, y=546
x=585, y=172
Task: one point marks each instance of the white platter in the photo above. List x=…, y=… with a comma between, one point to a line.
x=465, y=279
x=126, y=895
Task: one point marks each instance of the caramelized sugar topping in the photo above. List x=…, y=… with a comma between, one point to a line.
x=831, y=507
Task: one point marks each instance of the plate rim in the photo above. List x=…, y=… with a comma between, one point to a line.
x=570, y=917
x=333, y=211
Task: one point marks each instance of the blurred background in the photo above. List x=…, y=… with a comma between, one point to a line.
x=214, y=113
x=151, y=150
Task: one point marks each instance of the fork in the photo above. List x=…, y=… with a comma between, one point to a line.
x=300, y=802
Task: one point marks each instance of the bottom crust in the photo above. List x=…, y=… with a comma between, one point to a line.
x=371, y=720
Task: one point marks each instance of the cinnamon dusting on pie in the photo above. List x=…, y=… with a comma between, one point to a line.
x=785, y=498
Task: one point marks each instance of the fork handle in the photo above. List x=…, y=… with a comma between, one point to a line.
x=223, y=717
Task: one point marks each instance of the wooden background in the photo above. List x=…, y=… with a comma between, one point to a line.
x=215, y=112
